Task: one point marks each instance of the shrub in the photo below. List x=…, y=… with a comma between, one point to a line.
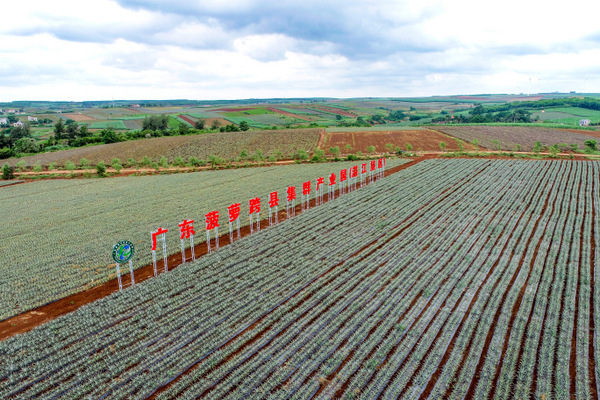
x=131, y=162
x=37, y=167
x=164, y=162
x=5, y=152
x=8, y=172
x=51, y=166
x=84, y=163
x=69, y=165
x=116, y=164
x=21, y=165
x=352, y=157
x=26, y=145
x=101, y=169
x=145, y=161
x=590, y=145
x=371, y=149
x=302, y=155
x=179, y=161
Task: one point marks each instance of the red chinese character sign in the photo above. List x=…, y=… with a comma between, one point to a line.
x=363, y=174
x=319, y=190
x=331, y=187
x=343, y=179
x=212, y=223
x=254, y=205
x=159, y=234
x=234, y=216
x=273, y=203
x=306, y=189
x=372, y=170
x=291, y=200
x=381, y=167
x=354, y=175
x=186, y=231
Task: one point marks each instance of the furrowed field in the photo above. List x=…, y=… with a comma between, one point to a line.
x=451, y=279
x=50, y=249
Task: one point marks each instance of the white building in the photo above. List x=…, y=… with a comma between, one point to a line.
x=30, y=118
x=584, y=122
x=3, y=121
x=18, y=123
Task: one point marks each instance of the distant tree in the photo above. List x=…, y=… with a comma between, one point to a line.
x=101, y=169
x=59, y=129
x=335, y=150
x=244, y=126
x=338, y=117
x=26, y=145
x=389, y=147
x=590, y=145
x=200, y=123
x=72, y=129
x=537, y=147
x=8, y=172
x=476, y=144
x=156, y=123
x=84, y=132
x=109, y=136
x=183, y=129
x=348, y=147
x=409, y=147
x=371, y=149
x=215, y=124
x=443, y=146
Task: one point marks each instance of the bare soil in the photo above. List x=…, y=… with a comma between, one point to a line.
x=421, y=140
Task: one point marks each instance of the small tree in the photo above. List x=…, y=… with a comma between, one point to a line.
x=101, y=169
x=371, y=149
x=537, y=147
x=574, y=147
x=496, y=144
x=335, y=151
x=443, y=146
x=244, y=126
x=590, y=145
x=476, y=144
x=84, y=163
x=21, y=165
x=389, y=147
x=553, y=150
x=116, y=164
x=517, y=147
x=164, y=162
x=37, y=167
x=200, y=124
x=70, y=165
x=243, y=154
x=8, y=172
x=409, y=147
x=348, y=147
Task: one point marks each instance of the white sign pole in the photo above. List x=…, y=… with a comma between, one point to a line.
x=119, y=277
x=131, y=272
x=164, y=240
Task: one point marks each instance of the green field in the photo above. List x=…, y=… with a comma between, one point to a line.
x=112, y=124
x=66, y=246
x=450, y=279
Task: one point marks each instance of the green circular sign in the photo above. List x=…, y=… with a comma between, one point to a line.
x=122, y=252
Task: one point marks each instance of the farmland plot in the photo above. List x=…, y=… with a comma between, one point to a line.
x=450, y=279
x=508, y=137
x=57, y=235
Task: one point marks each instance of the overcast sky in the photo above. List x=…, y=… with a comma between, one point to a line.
x=231, y=49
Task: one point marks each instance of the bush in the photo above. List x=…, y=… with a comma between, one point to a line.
x=145, y=162
x=214, y=160
x=352, y=157
x=5, y=152
x=37, y=167
x=51, y=166
x=301, y=155
x=69, y=165
x=8, y=172
x=109, y=136
x=21, y=165
x=116, y=164
x=101, y=169
x=590, y=145
x=84, y=163
x=26, y=145
x=179, y=161
x=164, y=162
x=131, y=163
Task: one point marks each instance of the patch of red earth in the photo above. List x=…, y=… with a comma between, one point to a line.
x=187, y=119
x=79, y=117
x=287, y=114
x=582, y=132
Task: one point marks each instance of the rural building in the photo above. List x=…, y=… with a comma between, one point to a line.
x=30, y=118
x=3, y=121
x=12, y=111
x=584, y=122
x=18, y=123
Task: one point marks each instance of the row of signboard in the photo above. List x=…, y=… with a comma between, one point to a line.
x=348, y=180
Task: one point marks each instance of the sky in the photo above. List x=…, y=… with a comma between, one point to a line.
x=236, y=49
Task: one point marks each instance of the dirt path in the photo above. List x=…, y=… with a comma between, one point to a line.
x=29, y=320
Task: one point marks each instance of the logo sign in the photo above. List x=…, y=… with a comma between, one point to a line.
x=122, y=252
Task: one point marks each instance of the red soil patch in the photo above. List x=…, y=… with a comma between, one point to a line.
x=421, y=140
x=187, y=119
x=287, y=114
x=79, y=117
x=29, y=320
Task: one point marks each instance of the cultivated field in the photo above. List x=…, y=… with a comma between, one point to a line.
x=226, y=145
x=421, y=139
x=451, y=279
x=57, y=235
x=508, y=137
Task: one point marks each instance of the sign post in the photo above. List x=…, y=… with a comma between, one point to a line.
x=363, y=174
x=234, y=214
x=254, y=209
x=122, y=253
x=273, y=203
x=291, y=198
x=212, y=222
x=306, y=192
x=319, y=190
x=331, y=188
x=159, y=232
x=186, y=228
